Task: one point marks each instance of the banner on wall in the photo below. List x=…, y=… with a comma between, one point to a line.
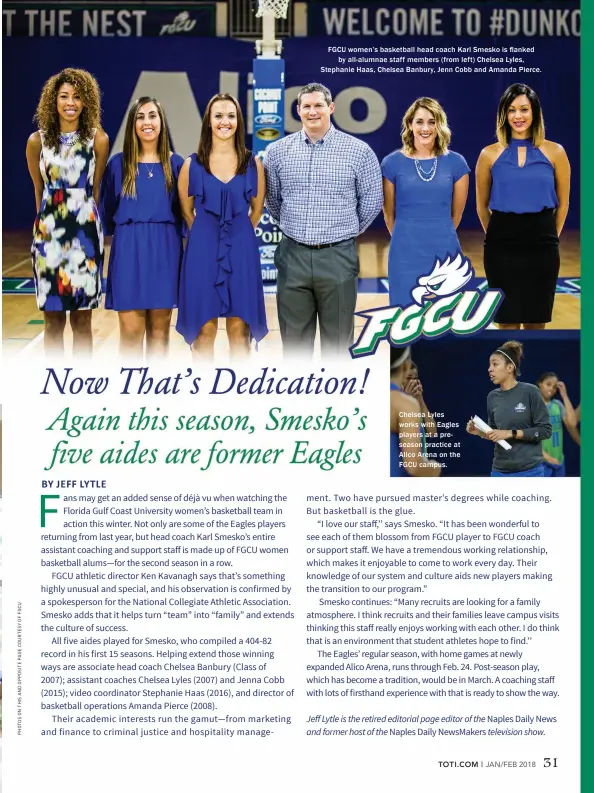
x=490, y=20
x=106, y=21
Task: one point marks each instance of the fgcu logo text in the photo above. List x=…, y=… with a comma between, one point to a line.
x=439, y=306
x=182, y=23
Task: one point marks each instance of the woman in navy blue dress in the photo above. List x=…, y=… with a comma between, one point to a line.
x=522, y=198
x=425, y=192
x=140, y=207
x=407, y=430
x=221, y=190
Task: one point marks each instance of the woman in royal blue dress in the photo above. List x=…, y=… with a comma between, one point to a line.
x=425, y=192
x=522, y=199
x=221, y=190
x=140, y=207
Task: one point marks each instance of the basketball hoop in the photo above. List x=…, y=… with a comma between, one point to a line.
x=277, y=8
x=270, y=10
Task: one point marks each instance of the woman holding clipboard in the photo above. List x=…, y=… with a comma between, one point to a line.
x=517, y=414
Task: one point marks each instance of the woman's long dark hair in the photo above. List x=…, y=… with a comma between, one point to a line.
x=131, y=148
x=205, y=146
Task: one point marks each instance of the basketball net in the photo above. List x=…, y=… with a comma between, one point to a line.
x=269, y=10
x=278, y=8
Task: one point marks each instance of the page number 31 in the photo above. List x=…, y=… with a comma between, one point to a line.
x=550, y=762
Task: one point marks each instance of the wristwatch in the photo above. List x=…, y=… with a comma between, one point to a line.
x=514, y=433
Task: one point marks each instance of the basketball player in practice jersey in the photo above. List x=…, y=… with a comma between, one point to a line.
x=561, y=413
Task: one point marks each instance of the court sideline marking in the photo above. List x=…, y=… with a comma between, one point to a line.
x=32, y=344
x=14, y=266
x=36, y=339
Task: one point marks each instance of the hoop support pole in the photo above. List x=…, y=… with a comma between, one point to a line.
x=268, y=46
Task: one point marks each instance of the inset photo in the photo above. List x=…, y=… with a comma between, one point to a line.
x=489, y=405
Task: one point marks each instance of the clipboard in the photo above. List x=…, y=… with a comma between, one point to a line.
x=483, y=427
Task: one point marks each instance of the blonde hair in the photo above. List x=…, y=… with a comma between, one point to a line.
x=537, y=130
x=444, y=134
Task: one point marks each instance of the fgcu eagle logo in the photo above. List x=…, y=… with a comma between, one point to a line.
x=439, y=306
x=447, y=278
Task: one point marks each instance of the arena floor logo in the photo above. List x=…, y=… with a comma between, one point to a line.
x=439, y=306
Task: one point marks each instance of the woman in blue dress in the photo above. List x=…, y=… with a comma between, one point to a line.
x=221, y=190
x=425, y=192
x=522, y=198
x=407, y=431
x=140, y=207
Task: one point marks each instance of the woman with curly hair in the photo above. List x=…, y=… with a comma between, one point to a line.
x=66, y=159
x=425, y=192
x=140, y=207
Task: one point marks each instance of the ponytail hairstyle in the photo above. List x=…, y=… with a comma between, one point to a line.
x=398, y=357
x=513, y=352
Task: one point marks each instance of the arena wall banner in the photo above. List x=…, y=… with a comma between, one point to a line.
x=275, y=430
x=484, y=20
x=121, y=20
